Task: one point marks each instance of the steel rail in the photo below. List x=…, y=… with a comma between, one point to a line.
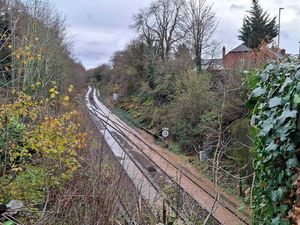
x=140, y=168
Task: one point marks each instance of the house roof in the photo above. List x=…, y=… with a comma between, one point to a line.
x=240, y=48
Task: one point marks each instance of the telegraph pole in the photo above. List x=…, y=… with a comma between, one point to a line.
x=279, y=26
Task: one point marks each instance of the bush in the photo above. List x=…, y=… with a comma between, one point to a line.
x=193, y=109
x=39, y=147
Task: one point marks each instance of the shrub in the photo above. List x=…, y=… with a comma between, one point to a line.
x=193, y=109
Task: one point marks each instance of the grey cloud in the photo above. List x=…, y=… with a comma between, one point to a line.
x=237, y=7
x=285, y=35
x=296, y=8
x=100, y=27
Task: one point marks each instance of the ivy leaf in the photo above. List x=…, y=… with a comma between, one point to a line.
x=283, y=209
x=281, y=193
x=264, y=76
x=275, y=221
x=278, y=195
x=285, y=84
x=284, y=66
x=259, y=92
x=276, y=101
x=274, y=196
x=267, y=126
x=284, y=132
x=297, y=75
x=292, y=163
x=298, y=87
x=297, y=99
x=270, y=68
x=280, y=177
x=272, y=146
x=287, y=113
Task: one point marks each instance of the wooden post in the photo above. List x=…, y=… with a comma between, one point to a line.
x=164, y=213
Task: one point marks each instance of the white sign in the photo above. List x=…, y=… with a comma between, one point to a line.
x=165, y=132
x=115, y=97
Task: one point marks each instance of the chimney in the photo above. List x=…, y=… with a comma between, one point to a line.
x=282, y=52
x=223, y=52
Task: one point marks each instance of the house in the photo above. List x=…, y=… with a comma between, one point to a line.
x=243, y=57
x=236, y=57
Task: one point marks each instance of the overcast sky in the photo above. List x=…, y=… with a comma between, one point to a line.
x=100, y=27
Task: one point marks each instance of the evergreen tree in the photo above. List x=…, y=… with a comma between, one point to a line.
x=258, y=27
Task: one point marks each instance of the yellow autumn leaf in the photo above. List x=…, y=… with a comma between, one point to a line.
x=52, y=95
x=66, y=98
x=52, y=90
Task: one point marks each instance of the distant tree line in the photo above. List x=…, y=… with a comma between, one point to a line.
x=165, y=25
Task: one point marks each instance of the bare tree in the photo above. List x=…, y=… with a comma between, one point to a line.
x=200, y=22
x=161, y=25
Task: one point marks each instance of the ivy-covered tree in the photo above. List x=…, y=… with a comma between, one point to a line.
x=258, y=27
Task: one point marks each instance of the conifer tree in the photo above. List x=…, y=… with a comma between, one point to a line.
x=258, y=27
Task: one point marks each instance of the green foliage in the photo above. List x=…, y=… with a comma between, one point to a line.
x=28, y=186
x=275, y=108
x=163, y=93
x=239, y=150
x=194, y=108
x=126, y=117
x=258, y=27
x=175, y=148
x=38, y=148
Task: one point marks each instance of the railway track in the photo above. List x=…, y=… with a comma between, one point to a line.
x=159, y=194
x=219, y=213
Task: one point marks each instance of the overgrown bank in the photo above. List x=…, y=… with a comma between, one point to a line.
x=202, y=110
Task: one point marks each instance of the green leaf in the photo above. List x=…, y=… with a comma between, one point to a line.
x=285, y=84
x=259, y=92
x=280, y=177
x=283, y=209
x=292, y=163
x=275, y=221
x=264, y=76
x=270, y=68
x=274, y=196
x=298, y=87
x=286, y=114
x=272, y=146
x=267, y=126
x=296, y=99
x=8, y=223
x=276, y=101
x=297, y=75
x=281, y=193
